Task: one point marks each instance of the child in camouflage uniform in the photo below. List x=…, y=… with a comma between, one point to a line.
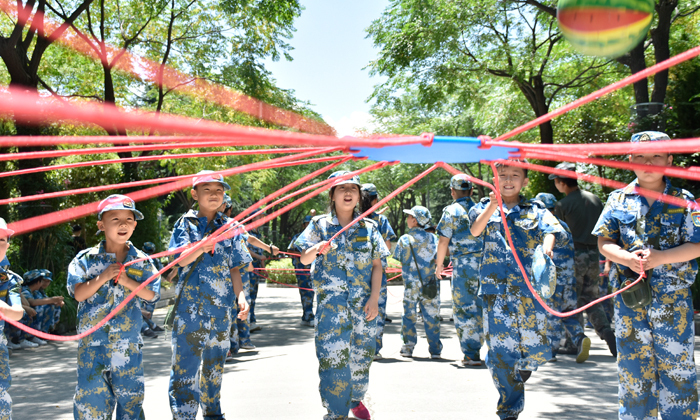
x=423, y=246
x=209, y=282
x=347, y=278
x=11, y=308
x=465, y=253
x=370, y=198
x=514, y=323
x=655, y=363
x=564, y=298
x=110, y=369
x=48, y=309
x=304, y=281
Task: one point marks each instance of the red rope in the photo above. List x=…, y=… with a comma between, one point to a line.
x=379, y=204
x=687, y=55
x=673, y=171
x=46, y=154
x=262, y=221
x=197, y=155
x=291, y=186
x=26, y=107
x=292, y=254
x=62, y=216
x=665, y=198
x=277, y=163
x=522, y=268
x=169, y=78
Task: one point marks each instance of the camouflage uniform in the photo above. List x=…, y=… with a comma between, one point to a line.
x=655, y=363
x=110, y=371
x=46, y=315
x=203, y=319
x=240, y=329
x=10, y=292
x=304, y=281
x=255, y=279
x=465, y=254
x=345, y=341
x=515, y=325
x=388, y=235
x=425, y=248
x=564, y=298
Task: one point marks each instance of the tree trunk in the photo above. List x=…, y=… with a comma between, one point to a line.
x=660, y=37
x=634, y=60
x=534, y=93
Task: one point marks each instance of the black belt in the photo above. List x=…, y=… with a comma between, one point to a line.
x=581, y=245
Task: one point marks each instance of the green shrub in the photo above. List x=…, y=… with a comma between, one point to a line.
x=286, y=277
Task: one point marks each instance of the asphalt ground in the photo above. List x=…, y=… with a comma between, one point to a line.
x=279, y=379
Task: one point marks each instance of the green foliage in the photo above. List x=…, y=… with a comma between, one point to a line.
x=286, y=277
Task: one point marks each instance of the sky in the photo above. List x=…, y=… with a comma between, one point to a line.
x=329, y=53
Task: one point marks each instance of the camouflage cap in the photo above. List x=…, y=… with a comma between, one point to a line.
x=118, y=202
x=460, y=182
x=228, y=201
x=353, y=180
x=564, y=166
x=649, y=136
x=421, y=214
x=149, y=247
x=209, y=176
x=32, y=276
x=370, y=189
x=548, y=199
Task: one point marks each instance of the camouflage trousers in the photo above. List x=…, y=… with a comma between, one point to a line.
x=240, y=328
x=345, y=347
x=516, y=336
x=252, y=294
x=587, y=271
x=5, y=380
x=46, y=318
x=467, y=309
x=430, y=309
x=655, y=363
x=381, y=317
x=199, y=343
x=148, y=322
x=307, y=296
x=564, y=300
x=108, y=376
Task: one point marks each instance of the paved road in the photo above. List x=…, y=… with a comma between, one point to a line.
x=279, y=379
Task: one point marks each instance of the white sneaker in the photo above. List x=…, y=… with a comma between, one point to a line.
x=13, y=346
x=255, y=327
x=27, y=344
x=307, y=323
x=37, y=340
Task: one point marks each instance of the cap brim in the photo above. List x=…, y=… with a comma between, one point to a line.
x=552, y=176
x=409, y=211
x=9, y=232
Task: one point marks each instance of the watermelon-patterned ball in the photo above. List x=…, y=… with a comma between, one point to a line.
x=605, y=28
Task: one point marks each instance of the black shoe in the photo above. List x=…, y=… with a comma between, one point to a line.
x=524, y=375
x=388, y=320
x=609, y=337
x=158, y=329
x=510, y=418
x=149, y=333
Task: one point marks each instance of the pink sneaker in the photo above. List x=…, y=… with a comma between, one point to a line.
x=361, y=412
